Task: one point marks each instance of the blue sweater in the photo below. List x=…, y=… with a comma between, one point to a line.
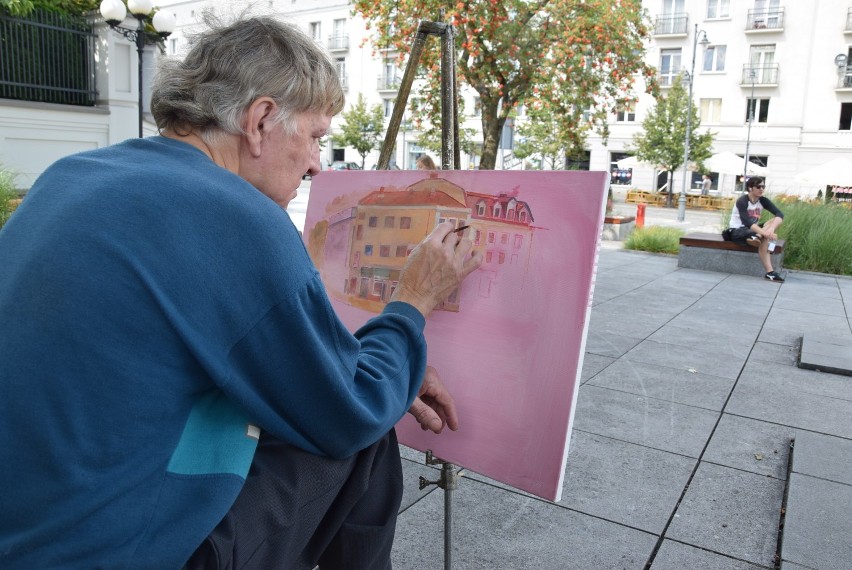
x=154, y=309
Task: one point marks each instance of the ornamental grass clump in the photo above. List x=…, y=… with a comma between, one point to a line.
x=818, y=236
x=655, y=239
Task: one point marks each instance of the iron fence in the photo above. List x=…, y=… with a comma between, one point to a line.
x=47, y=57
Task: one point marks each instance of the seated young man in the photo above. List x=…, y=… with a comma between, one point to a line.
x=745, y=226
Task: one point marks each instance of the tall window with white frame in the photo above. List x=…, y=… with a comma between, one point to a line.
x=339, y=38
x=714, y=58
x=340, y=64
x=315, y=31
x=710, y=111
x=672, y=18
x=626, y=114
x=669, y=66
x=760, y=108
x=762, y=62
x=718, y=9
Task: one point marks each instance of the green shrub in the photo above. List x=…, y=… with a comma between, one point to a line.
x=656, y=239
x=8, y=195
x=818, y=237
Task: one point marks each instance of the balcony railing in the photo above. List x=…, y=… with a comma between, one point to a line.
x=338, y=42
x=760, y=75
x=388, y=83
x=49, y=58
x=765, y=19
x=849, y=20
x=671, y=24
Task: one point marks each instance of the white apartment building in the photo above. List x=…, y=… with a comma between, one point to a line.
x=787, y=57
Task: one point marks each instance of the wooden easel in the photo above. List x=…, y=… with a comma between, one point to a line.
x=449, y=100
x=450, y=160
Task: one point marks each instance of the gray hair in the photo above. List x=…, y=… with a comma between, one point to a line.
x=230, y=66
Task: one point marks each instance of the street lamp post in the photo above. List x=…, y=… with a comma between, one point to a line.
x=681, y=202
x=752, y=105
x=114, y=12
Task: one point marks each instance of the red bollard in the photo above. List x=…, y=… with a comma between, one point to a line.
x=640, y=215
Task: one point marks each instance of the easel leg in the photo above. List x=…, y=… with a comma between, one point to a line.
x=449, y=482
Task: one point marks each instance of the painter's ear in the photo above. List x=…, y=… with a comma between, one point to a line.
x=258, y=122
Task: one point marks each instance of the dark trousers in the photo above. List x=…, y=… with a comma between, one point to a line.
x=297, y=510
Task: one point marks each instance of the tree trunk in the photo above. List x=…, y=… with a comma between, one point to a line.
x=492, y=127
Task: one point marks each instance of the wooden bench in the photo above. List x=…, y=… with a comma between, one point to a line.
x=709, y=252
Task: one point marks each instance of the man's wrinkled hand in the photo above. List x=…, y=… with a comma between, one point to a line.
x=434, y=407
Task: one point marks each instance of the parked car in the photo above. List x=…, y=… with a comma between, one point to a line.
x=342, y=165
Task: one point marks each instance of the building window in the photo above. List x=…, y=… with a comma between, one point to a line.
x=519, y=240
x=845, y=116
x=387, y=107
x=374, y=221
x=477, y=107
x=579, y=161
x=384, y=251
x=669, y=66
x=711, y=111
x=405, y=223
x=488, y=256
x=718, y=9
x=368, y=250
x=477, y=237
x=315, y=31
x=359, y=231
x=390, y=221
x=480, y=208
x=501, y=257
x=714, y=58
x=757, y=108
x=401, y=250
x=498, y=211
x=523, y=216
x=490, y=237
x=504, y=239
x=621, y=176
x=626, y=115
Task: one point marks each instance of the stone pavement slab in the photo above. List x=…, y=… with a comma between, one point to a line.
x=593, y=364
x=498, y=529
x=678, y=556
x=778, y=353
x=603, y=343
x=622, y=482
x=824, y=456
x=818, y=526
x=724, y=341
x=751, y=445
x=731, y=512
x=784, y=326
x=826, y=354
x=790, y=396
x=662, y=425
x=690, y=358
x=665, y=383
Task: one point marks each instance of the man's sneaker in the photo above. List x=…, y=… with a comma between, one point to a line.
x=773, y=276
x=753, y=239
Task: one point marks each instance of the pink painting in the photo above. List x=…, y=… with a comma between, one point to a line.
x=509, y=343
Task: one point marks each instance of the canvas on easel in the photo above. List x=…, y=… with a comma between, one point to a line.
x=509, y=343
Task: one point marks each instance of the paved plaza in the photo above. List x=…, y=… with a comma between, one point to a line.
x=698, y=443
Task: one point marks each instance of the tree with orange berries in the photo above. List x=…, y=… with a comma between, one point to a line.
x=578, y=58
